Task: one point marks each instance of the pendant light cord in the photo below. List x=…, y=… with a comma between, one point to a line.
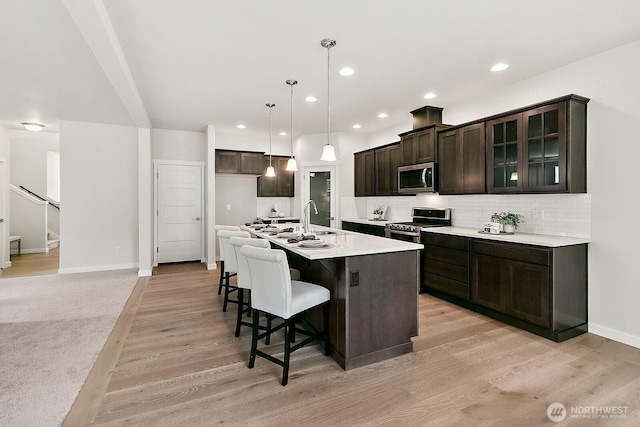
x=328, y=95
x=270, y=107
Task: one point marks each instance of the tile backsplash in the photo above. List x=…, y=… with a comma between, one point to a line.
x=265, y=204
x=549, y=214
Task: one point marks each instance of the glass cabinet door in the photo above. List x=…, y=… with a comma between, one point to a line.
x=545, y=149
x=503, y=154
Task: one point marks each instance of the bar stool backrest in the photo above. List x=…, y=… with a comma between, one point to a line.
x=230, y=260
x=270, y=280
x=227, y=228
x=244, y=278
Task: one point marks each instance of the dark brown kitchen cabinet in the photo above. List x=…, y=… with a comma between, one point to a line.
x=387, y=160
x=446, y=265
x=539, y=289
x=374, y=230
x=239, y=162
x=504, y=154
x=539, y=149
x=365, y=173
x=281, y=185
x=419, y=146
x=461, y=160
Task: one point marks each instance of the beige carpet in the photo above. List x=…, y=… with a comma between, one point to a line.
x=52, y=329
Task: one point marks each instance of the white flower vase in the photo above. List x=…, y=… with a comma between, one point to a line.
x=508, y=228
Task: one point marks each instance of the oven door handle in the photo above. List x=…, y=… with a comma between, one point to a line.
x=404, y=233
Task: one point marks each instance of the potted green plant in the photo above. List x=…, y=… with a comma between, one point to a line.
x=510, y=221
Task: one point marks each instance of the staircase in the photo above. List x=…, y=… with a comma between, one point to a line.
x=53, y=240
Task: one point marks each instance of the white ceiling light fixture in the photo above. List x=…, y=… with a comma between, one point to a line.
x=356, y=126
x=283, y=133
x=271, y=172
x=499, y=67
x=383, y=115
x=241, y=126
x=346, y=71
x=430, y=95
x=291, y=163
x=329, y=151
x=32, y=126
x=311, y=98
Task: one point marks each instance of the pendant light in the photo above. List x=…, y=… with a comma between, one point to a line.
x=271, y=172
x=291, y=164
x=329, y=151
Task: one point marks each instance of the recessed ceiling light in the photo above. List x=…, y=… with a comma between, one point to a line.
x=311, y=99
x=500, y=67
x=430, y=95
x=383, y=115
x=283, y=133
x=346, y=71
x=356, y=126
x=241, y=126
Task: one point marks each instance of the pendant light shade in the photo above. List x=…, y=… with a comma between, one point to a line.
x=329, y=151
x=291, y=163
x=271, y=172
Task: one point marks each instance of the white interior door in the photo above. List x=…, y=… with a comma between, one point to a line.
x=4, y=232
x=179, y=212
x=320, y=186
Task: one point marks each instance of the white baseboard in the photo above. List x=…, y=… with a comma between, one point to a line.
x=615, y=335
x=213, y=266
x=144, y=273
x=97, y=268
x=29, y=251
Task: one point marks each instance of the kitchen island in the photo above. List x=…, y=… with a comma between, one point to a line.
x=374, y=284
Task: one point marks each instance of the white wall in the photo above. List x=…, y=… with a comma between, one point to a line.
x=179, y=145
x=99, y=194
x=29, y=159
x=5, y=155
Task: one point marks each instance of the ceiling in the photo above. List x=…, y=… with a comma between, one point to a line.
x=186, y=64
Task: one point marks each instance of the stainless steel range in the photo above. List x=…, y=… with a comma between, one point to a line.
x=422, y=217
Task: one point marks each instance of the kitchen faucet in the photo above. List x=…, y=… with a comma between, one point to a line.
x=305, y=211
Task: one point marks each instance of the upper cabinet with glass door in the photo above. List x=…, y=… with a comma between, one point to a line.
x=541, y=149
x=504, y=154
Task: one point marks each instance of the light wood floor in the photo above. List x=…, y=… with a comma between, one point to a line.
x=33, y=264
x=175, y=362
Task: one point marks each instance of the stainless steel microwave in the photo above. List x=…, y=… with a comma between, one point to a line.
x=420, y=178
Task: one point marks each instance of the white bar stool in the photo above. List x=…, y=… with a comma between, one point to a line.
x=273, y=292
x=230, y=263
x=221, y=250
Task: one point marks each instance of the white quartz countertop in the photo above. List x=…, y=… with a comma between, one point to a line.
x=524, y=238
x=356, y=244
x=369, y=221
x=279, y=218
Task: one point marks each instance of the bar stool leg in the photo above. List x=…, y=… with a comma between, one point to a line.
x=325, y=315
x=221, y=277
x=287, y=350
x=240, y=309
x=254, y=338
x=226, y=291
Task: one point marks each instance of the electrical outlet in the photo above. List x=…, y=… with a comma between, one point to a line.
x=118, y=250
x=229, y=207
x=355, y=278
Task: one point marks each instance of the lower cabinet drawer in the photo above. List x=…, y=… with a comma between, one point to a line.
x=450, y=256
x=450, y=271
x=451, y=287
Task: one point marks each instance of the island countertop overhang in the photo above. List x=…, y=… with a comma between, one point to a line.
x=356, y=244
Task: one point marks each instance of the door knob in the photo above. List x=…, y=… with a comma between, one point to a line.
x=197, y=219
